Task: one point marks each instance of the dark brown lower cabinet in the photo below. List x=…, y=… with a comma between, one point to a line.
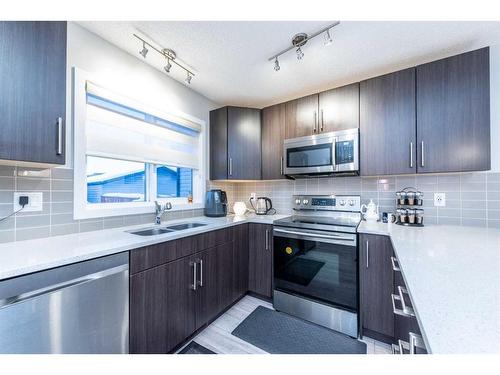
x=162, y=310
x=206, y=293
x=240, y=259
x=170, y=301
x=376, y=286
x=260, y=259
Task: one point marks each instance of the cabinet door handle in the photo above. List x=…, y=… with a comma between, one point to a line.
x=281, y=166
x=59, y=136
x=422, y=154
x=267, y=239
x=406, y=309
x=200, y=283
x=230, y=166
x=315, y=121
x=395, y=264
x=322, y=122
x=367, y=254
x=411, y=154
x=193, y=264
x=416, y=342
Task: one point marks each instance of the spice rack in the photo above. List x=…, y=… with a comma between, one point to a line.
x=408, y=212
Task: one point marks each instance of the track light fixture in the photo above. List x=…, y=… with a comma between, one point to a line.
x=168, y=66
x=328, y=38
x=169, y=55
x=300, y=54
x=276, y=64
x=144, y=51
x=299, y=40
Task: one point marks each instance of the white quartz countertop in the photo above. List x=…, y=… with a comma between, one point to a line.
x=23, y=257
x=453, y=276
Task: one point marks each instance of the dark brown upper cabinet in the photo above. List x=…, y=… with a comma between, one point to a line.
x=218, y=144
x=32, y=92
x=235, y=144
x=301, y=116
x=453, y=113
x=339, y=109
x=388, y=124
x=273, y=135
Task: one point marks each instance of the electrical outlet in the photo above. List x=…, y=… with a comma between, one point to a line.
x=253, y=196
x=439, y=200
x=35, y=201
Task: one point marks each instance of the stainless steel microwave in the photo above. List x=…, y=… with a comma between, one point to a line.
x=334, y=153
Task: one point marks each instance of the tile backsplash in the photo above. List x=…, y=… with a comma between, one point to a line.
x=471, y=198
x=56, y=217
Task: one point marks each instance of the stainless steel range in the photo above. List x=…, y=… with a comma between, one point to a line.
x=315, y=261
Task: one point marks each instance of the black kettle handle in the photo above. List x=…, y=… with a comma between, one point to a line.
x=270, y=204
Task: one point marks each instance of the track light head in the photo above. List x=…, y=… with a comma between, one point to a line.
x=144, y=51
x=300, y=54
x=168, y=66
x=276, y=64
x=328, y=38
x=188, y=78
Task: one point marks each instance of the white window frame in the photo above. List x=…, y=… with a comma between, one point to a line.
x=81, y=208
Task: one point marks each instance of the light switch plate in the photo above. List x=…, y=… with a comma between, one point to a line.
x=35, y=201
x=439, y=200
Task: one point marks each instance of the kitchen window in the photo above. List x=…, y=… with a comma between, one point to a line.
x=128, y=155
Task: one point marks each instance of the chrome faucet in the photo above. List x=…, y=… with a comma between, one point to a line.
x=161, y=208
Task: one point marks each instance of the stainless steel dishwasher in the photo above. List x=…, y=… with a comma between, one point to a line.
x=79, y=308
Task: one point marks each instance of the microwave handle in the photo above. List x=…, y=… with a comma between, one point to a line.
x=334, y=148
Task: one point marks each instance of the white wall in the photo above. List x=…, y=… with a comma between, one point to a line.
x=495, y=107
x=115, y=69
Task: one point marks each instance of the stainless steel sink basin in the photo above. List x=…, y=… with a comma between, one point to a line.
x=168, y=229
x=185, y=226
x=151, y=231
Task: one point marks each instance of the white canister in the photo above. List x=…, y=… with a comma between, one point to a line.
x=239, y=208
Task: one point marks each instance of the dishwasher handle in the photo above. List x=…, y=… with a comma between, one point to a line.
x=66, y=284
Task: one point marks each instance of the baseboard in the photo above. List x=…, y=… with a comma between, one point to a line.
x=260, y=296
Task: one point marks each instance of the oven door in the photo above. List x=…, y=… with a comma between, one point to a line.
x=317, y=265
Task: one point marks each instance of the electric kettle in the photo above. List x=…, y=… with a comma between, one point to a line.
x=262, y=206
x=370, y=212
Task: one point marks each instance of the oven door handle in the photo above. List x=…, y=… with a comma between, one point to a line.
x=315, y=235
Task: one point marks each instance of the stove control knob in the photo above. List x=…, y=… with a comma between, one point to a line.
x=305, y=201
x=297, y=201
x=351, y=202
x=342, y=202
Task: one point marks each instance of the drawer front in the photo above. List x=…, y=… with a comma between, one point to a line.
x=158, y=254
x=214, y=238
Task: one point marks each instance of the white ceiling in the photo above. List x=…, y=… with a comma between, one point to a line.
x=230, y=58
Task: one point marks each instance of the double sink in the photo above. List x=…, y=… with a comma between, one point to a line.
x=153, y=231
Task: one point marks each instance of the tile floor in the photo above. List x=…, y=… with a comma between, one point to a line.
x=218, y=338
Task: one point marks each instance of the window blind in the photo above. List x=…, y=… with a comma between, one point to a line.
x=123, y=132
